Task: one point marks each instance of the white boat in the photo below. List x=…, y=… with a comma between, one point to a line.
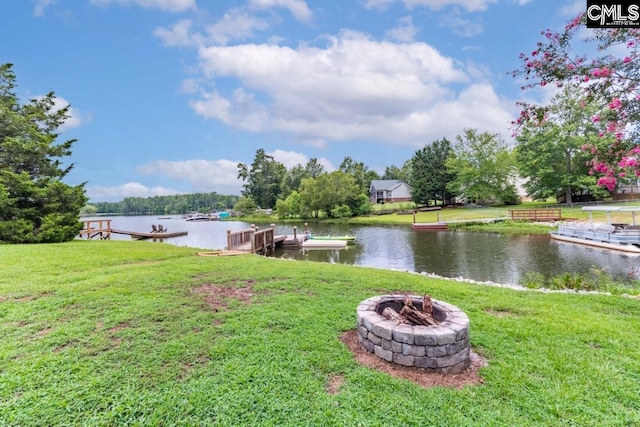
x=617, y=236
x=199, y=217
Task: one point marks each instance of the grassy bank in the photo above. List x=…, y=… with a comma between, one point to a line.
x=462, y=214
x=135, y=333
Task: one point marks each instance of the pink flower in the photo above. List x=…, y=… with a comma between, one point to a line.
x=626, y=59
x=615, y=104
x=595, y=119
x=608, y=181
x=601, y=72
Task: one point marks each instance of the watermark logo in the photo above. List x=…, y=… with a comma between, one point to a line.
x=613, y=14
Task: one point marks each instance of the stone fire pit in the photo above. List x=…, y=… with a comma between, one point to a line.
x=442, y=348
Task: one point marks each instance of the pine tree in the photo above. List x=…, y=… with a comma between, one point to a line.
x=36, y=206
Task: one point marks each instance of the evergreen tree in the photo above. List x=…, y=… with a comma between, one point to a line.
x=35, y=205
x=430, y=177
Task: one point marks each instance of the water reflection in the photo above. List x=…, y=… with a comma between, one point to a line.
x=480, y=256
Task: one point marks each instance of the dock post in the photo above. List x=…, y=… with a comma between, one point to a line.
x=228, y=239
x=295, y=233
x=306, y=228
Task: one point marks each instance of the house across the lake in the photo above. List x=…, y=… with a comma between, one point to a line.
x=389, y=191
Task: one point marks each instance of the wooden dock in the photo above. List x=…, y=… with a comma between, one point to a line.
x=139, y=235
x=255, y=240
x=101, y=229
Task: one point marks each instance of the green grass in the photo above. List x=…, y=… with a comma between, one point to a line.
x=113, y=333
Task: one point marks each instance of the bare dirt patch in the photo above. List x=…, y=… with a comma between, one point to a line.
x=421, y=377
x=334, y=383
x=119, y=327
x=217, y=296
x=64, y=346
x=44, y=332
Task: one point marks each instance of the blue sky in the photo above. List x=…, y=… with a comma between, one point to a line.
x=168, y=96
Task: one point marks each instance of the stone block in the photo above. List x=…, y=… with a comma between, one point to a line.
x=384, y=329
x=456, y=369
x=371, y=318
x=444, y=335
x=456, y=347
x=403, y=360
x=383, y=354
x=403, y=334
x=422, y=335
x=453, y=359
x=425, y=362
x=374, y=338
x=362, y=331
x=437, y=351
x=368, y=345
x=387, y=344
x=413, y=350
x=396, y=347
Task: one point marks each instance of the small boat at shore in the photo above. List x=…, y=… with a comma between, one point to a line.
x=617, y=236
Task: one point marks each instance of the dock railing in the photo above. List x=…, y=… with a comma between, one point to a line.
x=96, y=228
x=536, y=214
x=239, y=237
x=251, y=239
x=262, y=239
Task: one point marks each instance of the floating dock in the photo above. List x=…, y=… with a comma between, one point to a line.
x=429, y=226
x=324, y=244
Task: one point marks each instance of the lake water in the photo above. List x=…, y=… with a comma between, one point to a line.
x=481, y=256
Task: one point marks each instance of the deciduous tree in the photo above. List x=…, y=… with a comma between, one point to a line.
x=609, y=72
x=484, y=167
x=550, y=155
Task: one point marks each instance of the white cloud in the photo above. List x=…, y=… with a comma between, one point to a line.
x=179, y=35
x=203, y=175
x=165, y=5
x=293, y=158
x=236, y=24
x=355, y=88
x=130, y=189
x=460, y=26
x=41, y=5
x=470, y=5
x=298, y=8
x=405, y=31
x=376, y=4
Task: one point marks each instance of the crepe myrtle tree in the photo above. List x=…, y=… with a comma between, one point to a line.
x=609, y=73
x=36, y=206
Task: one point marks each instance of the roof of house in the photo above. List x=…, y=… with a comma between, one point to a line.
x=387, y=184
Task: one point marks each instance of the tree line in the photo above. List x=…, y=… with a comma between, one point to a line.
x=163, y=205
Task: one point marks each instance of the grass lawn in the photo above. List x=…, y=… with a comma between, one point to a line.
x=135, y=333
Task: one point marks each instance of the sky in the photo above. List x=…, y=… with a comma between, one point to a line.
x=168, y=96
